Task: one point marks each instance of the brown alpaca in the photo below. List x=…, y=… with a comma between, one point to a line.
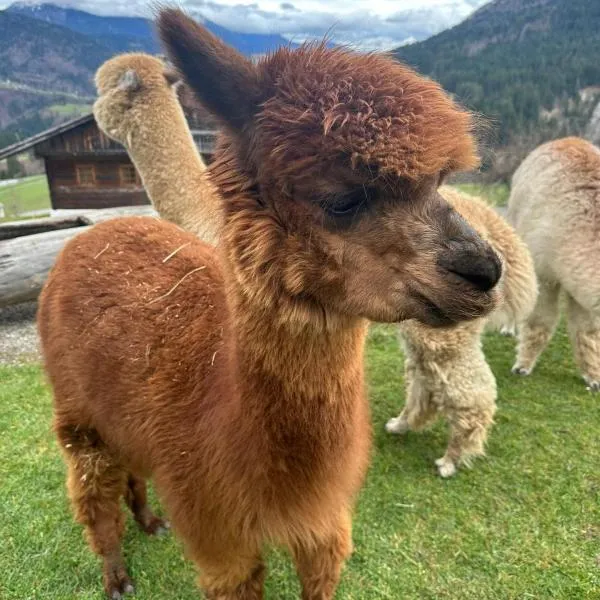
x=234, y=377
x=446, y=372
x=138, y=107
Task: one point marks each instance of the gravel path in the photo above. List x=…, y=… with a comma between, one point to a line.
x=18, y=335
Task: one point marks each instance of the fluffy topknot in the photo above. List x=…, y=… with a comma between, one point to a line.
x=376, y=111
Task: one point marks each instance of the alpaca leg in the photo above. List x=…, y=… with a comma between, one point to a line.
x=584, y=331
x=237, y=579
x=319, y=564
x=468, y=434
x=137, y=500
x=413, y=417
x=96, y=483
x=508, y=330
x=537, y=331
x=419, y=411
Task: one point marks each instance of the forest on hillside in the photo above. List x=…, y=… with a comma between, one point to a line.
x=531, y=69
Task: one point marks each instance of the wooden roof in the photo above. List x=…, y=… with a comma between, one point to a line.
x=34, y=140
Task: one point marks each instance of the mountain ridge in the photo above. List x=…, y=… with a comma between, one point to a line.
x=122, y=34
x=48, y=52
x=538, y=50
x=47, y=56
x=529, y=66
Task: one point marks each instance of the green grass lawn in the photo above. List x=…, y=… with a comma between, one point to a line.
x=30, y=193
x=70, y=110
x=496, y=193
x=523, y=523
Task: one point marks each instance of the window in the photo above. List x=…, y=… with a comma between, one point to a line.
x=86, y=175
x=128, y=175
x=205, y=141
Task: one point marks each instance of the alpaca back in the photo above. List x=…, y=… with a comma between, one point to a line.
x=555, y=207
x=518, y=284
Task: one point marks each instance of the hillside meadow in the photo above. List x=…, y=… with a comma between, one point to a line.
x=26, y=195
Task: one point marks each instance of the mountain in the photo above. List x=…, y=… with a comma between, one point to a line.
x=58, y=49
x=44, y=56
x=46, y=74
x=118, y=34
x=122, y=34
x=531, y=66
x=49, y=54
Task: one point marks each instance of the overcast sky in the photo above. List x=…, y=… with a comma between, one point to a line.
x=377, y=24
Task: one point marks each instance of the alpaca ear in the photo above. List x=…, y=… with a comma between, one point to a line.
x=222, y=79
x=130, y=81
x=172, y=77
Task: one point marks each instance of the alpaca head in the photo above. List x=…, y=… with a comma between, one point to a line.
x=129, y=73
x=329, y=168
x=123, y=84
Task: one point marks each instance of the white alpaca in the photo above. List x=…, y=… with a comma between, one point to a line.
x=446, y=372
x=555, y=206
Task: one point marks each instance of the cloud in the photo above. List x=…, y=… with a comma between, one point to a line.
x=364, y=24
x=361, y=27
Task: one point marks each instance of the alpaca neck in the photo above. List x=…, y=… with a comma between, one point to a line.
x=282, y=365
x=301, y=400
x=174, y=175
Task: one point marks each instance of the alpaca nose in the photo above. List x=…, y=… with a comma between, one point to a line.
x=481, y=269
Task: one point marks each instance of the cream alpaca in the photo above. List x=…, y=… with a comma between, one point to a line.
x=555, y=206
x=138, y=107
x=446, y=371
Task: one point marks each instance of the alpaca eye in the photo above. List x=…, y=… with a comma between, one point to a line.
x=344, y=205
x=348, y=203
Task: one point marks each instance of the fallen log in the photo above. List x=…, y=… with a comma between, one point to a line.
x=103, y=214
x=14, y=229
x=66, y=219
x=25, y=263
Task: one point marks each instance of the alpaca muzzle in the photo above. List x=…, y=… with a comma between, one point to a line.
x=467, y=255
x=477, y=264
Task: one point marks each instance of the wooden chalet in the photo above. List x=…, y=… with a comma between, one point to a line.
x=86, y=169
